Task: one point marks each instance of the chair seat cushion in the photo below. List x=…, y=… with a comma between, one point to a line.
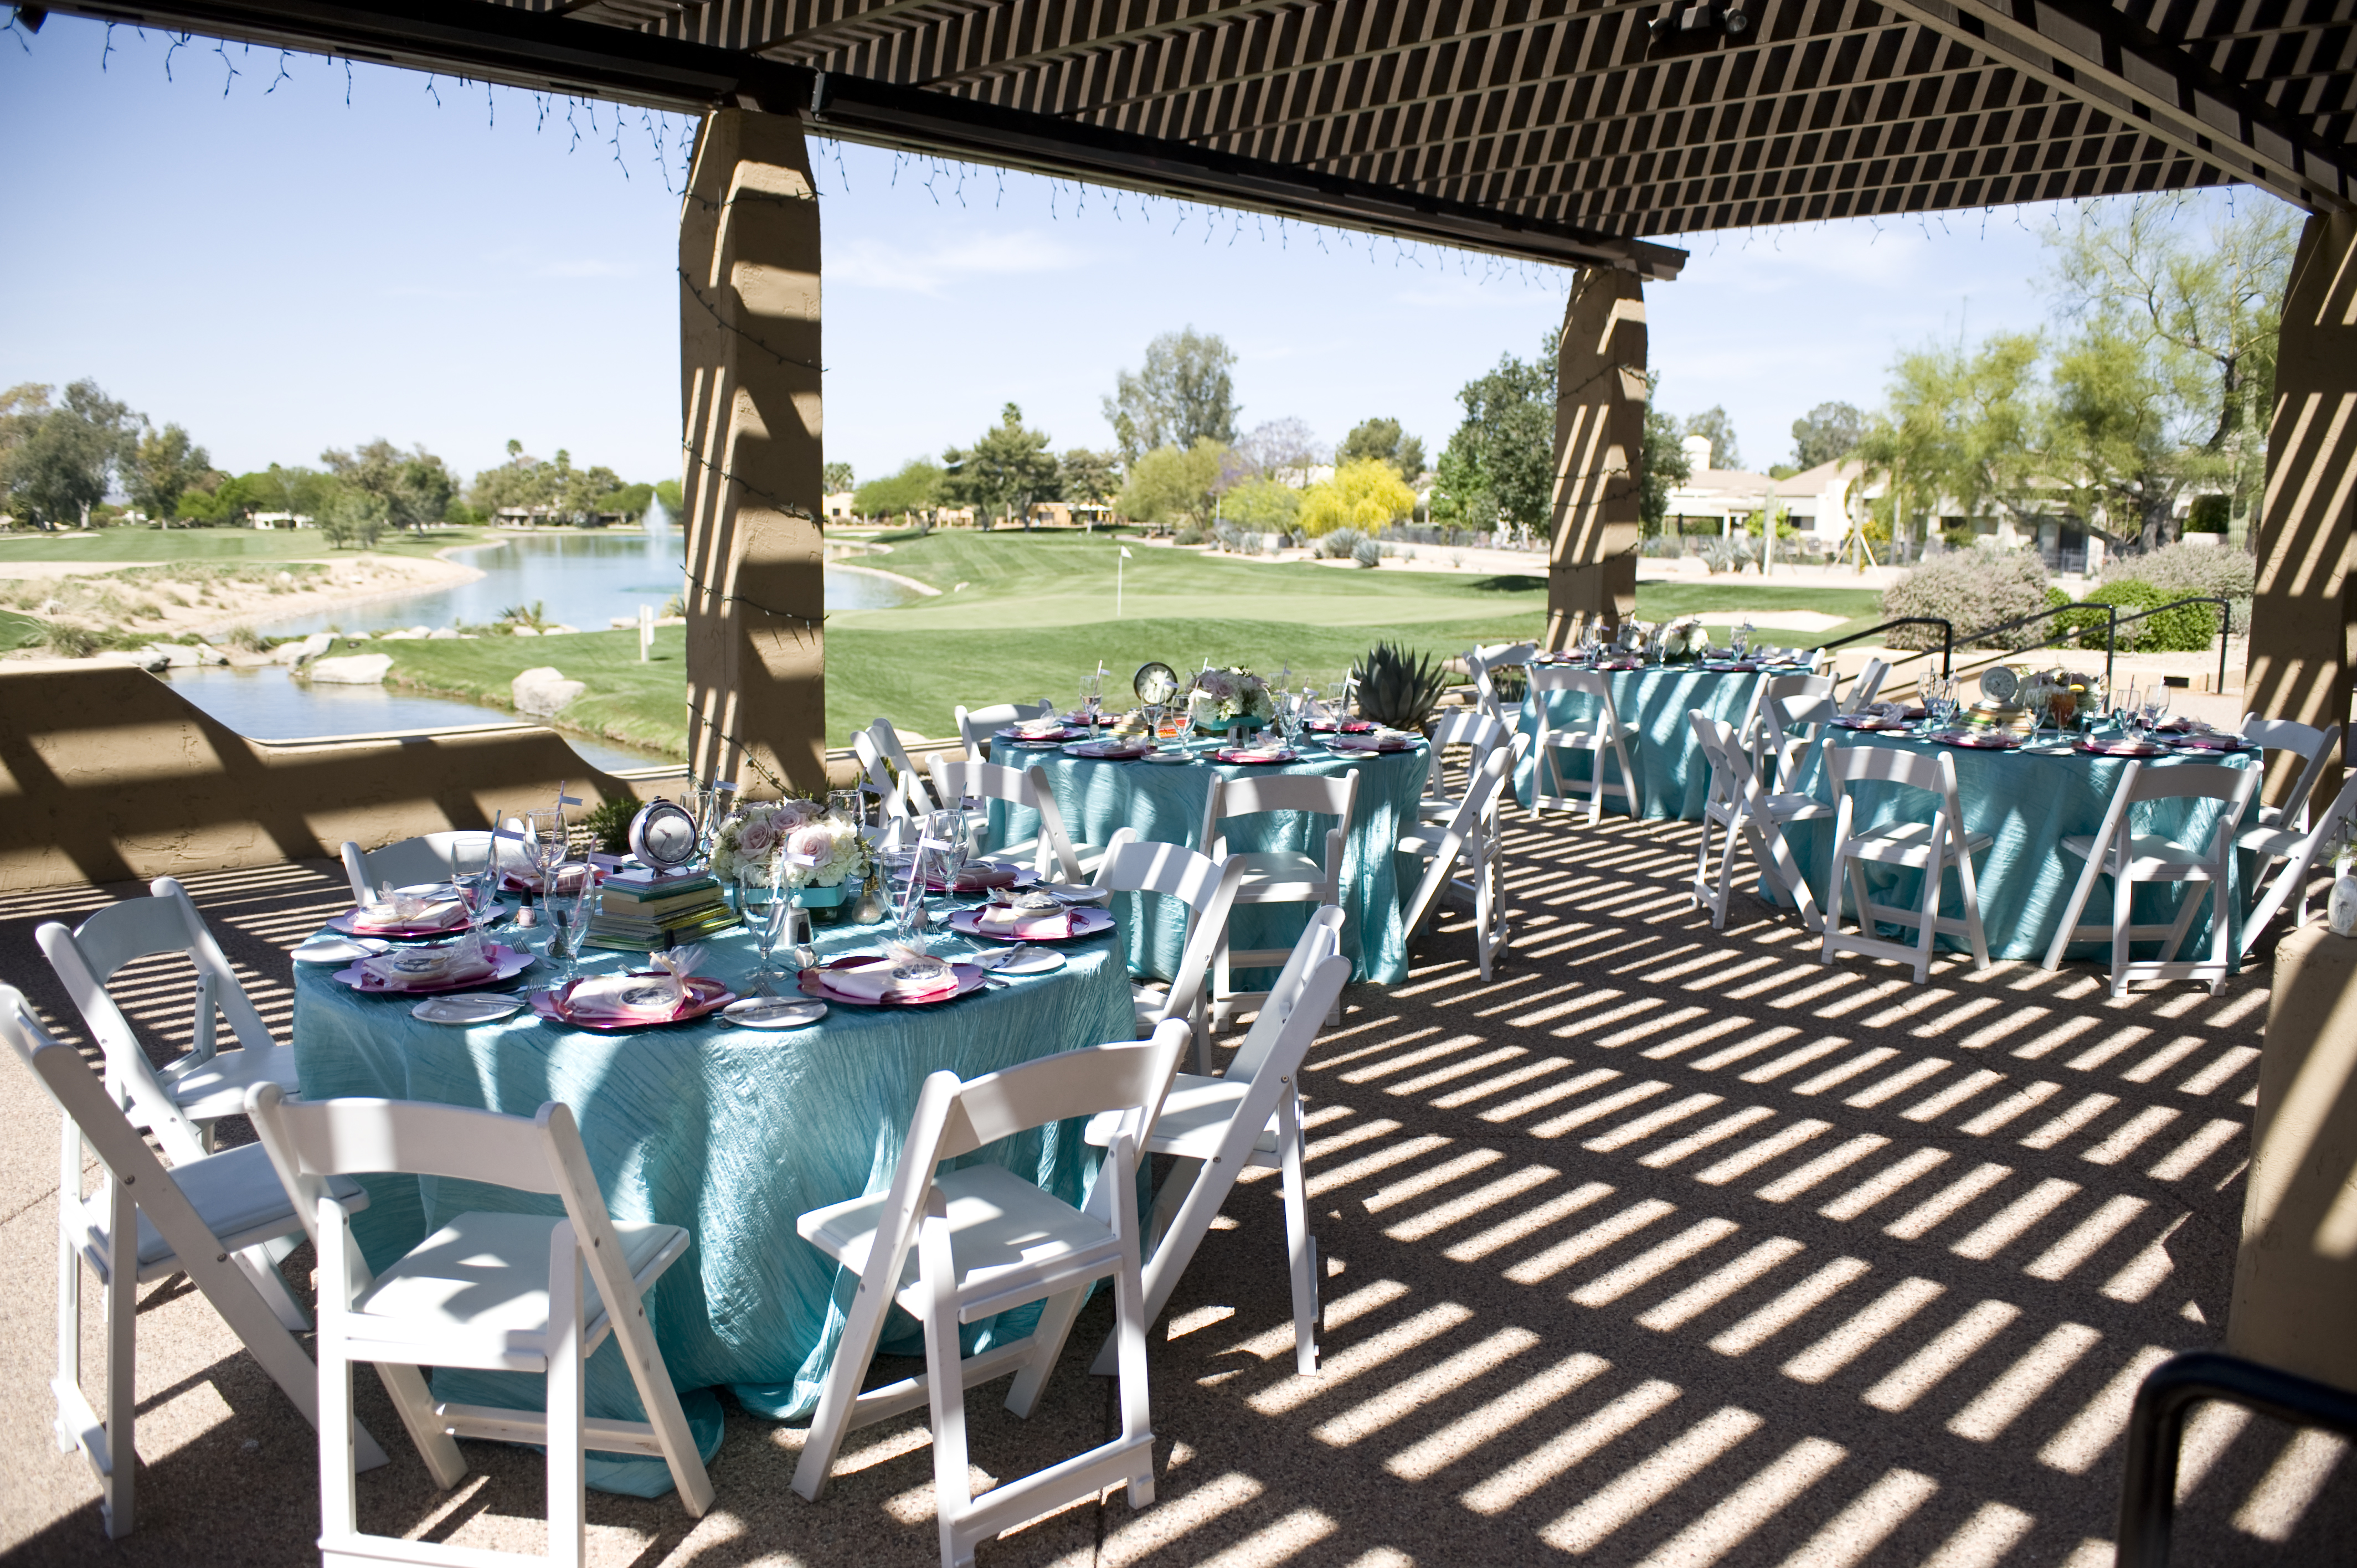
x=488, y=1274
x=1195, y=1117
x=1001, y=1228
x=236, y=1193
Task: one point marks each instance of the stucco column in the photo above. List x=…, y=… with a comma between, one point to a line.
x=1600, y=438
x=749, y=365
x=2300, y=644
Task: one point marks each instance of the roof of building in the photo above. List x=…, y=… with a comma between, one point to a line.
x=1560, y=130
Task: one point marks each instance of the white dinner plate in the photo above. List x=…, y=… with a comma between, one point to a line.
x=773, y=1012
x=1028, y=958
x=339, y=949
x=467, y=1007
x=1077, y=892
x=1169, y=758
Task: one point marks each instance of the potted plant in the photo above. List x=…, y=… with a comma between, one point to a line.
x=1400, y=687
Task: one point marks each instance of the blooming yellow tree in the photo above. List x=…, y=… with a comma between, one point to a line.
x=1367, y=494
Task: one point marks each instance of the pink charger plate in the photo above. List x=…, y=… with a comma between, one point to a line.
x=1086, y=922
x=1255, y=759
x=1983, y=742
x=348, y=923
x=2119, y=748
x=1352, y=727
x=703, y=996
x=506, y=964
x=814, y=984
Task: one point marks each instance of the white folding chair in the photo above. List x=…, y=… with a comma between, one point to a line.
x=1740, y=803
x=1868, y=681
x=180, y=1102
x=1484, y=664
x=209, y=1217
x=1215, y=1127
x=1053, y=855
x=987, y=1241
x=1465, y=727
x=1779, y=703
x=977, y=725
x=1929, y=847
x=492, y=1291
x=2313, y=747
x=2127, y=857
x=1208, y=887
x=1604, y=736
x=1468, y=842
x=1274, y=876
x=2289, y=886
x=896, y=782
x=429, y=857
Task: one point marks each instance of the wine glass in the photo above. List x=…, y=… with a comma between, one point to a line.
x=478, y=891
x=765, y=920
x=544, y=847
x=569, y=911
x=2156, y=708
x=1742, y=641
x=1091, y=696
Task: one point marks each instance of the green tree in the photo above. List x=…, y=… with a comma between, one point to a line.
x=839, y=478
x=412, y=489
x=1500, y=462
x=163, y=463
x=1185, y=395
x=1268, y=506
x=1365, y=493
x=1382, y=440
x=1714, y=422
x=1006, y=469
x=1665, y=466
x=354, y=517
x=1172, y=486
x=1965, y=426
x=914, y=491
x=60, y=460
x=1089, y=478
x=1825, y=434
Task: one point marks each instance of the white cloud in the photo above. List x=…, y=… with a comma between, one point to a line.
x=932, y=266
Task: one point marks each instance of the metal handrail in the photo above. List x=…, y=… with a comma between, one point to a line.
x=1947, y=638
x=2225, y=628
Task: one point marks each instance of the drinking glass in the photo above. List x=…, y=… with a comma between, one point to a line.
x=478, y=890
x=2156, y=708
x=1743, y=640
x=2129, y=712
x=570, y=912
x=766, y=920
x=543, y=845
x=1092, y=695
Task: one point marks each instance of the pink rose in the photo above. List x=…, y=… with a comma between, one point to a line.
x=758, y=837
x=809, y=845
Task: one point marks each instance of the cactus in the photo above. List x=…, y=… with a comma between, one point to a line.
x=1399, y=687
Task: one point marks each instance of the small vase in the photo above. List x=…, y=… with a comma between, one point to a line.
x=2341, y=912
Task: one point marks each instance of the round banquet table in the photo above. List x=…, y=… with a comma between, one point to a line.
x=731, y=1133
x=1672, y=779
x=2027, y=802
x=1164, y=802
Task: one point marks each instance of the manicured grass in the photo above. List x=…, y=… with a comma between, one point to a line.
x=636, y=704
x=20, y=631
x=1659, y=601
x=226, y=544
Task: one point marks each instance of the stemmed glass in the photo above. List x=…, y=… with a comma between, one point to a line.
x=570, y=912
x=2156, y=709
x=1092, y=697
x=478, y=890
x=543, y=845
x=765, y=921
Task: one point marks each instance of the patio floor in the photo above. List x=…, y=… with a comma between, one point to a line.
x=1667, y=1246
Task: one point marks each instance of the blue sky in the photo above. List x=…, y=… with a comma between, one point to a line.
x=286, y=262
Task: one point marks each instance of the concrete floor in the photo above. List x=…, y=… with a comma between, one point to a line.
x=1667, y=1246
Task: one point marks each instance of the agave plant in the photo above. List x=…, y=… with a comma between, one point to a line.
x=1399, y=687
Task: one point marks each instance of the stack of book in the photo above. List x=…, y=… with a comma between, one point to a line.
x=646, y=911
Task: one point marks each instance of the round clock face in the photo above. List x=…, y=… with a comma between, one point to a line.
x=1156, y=682
x=1999, y=684
x=662, y=836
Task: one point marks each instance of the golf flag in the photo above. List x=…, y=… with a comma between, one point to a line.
x=1117, y=584
x=1124, y=553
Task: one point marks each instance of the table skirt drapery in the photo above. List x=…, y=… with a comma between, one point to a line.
x=2028, y=803
x=1164, y=804
x=732, y=1134
x=1673, y=776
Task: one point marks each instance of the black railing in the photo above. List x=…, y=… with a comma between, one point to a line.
x=2225, y=626
x=2036, y=615
x=1947, y=638
x=2148, y=1491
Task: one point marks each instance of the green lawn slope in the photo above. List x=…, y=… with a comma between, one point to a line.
x=223, y=544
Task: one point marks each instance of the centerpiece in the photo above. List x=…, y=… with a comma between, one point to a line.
x=1681, y=640
x=1223, y=700
x=817, y=854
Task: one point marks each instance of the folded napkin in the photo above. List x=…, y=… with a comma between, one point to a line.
x=1115, y=749
x=1042, y=729
x=677, y=965
x=985, y=874
x=1013, y=922
x=901, y=980
x=1256, y=754
x=401, y=914
x=624, y=998
x=431, y=968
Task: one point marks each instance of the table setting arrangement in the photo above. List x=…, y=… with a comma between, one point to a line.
x=1637, y=645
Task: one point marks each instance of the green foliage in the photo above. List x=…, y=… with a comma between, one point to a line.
x=58, y=462
x=1366, y=493
x=1006, y=469
x=608, y=823
x=1827, y=433
x=1501, y=461
x=667, y=491
x=1383, y=441
x=1367, y=553
x=1959, y=429
x=164, y=464
x=916, y=488
x=1169, y=485
x=1340, y=543
x=1398, y=686
x=1189, y=535
x=245, y=639
x=2188, y=629
x=1263, y=504
x=406, y=490
x=1185, y=395
x=1666, y=467
x=353, y=518
x=1713, y=423
x=630, y=500
x=1087, y=477
x=2209, y=514
x=204, y=509
x=837, y=477
x=2178, y=571
x=1971, y=590
x=67, y=641
x=553, y=490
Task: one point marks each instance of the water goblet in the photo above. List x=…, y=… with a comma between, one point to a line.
x=569, y=911
x=2156, y=708
x=762, y=907
x=543, y=845
x=1091, y=696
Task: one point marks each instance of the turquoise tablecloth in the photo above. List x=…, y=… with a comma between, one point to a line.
x=732, y=1134
x=1672, y=779
x=1164, y=804
x=2028, y=803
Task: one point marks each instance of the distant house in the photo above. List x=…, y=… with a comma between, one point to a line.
x=837, y=507
x=1717, y=500
x=274, y=520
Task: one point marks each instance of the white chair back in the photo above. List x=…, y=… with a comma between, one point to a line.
x=2291, y=882
x=897, y=783
x=429, y=857
x=1462, y=726
x=1851, y=765
x=1053, y=855
x=88, y=956
x=1208, y=888
x=1484, y=663
x=2314, y=747
x=1863, y=689
x=976, y=725
x=1474, y=814
x=1334, y=796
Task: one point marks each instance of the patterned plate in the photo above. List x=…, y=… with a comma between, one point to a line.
x=1086, y=922
x=703, y=996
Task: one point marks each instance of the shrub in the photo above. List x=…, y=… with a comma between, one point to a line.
x=245, y=639
x=1726, y=555
x=1971, y=590
x=1190, y=534
x=1342, y=544
x=1399, y=687
x=1661, y=545
x=2209, y=514
x=609, y=824
x=1367, y=552
x=2178, y=570
x=66, y=641
x=2188, y=629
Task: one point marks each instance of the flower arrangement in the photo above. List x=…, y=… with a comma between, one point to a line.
x=1682, y=639
x=1224, y=695
x=796, y=839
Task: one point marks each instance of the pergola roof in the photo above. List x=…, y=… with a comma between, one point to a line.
x=1558, y=130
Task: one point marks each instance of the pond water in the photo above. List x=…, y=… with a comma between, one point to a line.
x=581, y=580
x=264, y=704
